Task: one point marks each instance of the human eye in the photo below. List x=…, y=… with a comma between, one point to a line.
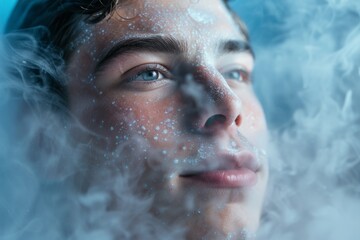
x=146, y=77
x=147, y=73
x=237, y=74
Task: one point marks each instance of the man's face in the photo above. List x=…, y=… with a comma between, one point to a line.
x=168, y=86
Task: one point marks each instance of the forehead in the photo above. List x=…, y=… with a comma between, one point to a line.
x=198, y=21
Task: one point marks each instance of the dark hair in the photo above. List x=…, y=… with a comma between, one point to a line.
x=54, y=24
x=60, y=17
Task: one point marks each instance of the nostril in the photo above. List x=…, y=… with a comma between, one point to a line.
x=215, y=120
x=238, y=121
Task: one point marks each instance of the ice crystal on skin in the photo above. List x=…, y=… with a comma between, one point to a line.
x=200, y=17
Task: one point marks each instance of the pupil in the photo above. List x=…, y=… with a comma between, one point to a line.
x=150, y=75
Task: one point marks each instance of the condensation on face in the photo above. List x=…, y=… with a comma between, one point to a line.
x=155, y=106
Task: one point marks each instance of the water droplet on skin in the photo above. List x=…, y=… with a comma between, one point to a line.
x=169, y=110
x=157, y=128
x=131, y=26
x=202, y=152
x=164, y=152
x=191, y=161
x=251, y=120
x=156, y=138
x=132, y=123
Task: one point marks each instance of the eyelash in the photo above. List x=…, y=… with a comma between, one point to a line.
x=161, y=70
x=242, y=73
x=166, y=74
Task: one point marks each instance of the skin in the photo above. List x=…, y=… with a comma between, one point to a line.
x=173, y=112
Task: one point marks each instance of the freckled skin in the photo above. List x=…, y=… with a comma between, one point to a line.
x=166, y=117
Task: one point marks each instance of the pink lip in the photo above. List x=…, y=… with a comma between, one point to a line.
x=240, y=170
x=242, y=177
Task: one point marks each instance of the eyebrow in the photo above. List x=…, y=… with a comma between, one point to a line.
x=235, y=46
x=165, y=44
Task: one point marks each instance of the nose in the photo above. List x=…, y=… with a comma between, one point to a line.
x=215, y=106
x=224, y=111
x=220, y=120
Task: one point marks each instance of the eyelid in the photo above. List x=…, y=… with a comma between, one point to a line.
x=130, y=75
x=237, y=67
x=234, y=66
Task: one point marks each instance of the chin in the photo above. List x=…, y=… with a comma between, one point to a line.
x=235, y=219
x=219, y=229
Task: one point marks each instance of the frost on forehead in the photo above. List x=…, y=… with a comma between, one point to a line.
x=200, y=16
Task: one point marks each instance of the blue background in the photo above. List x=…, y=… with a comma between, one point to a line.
x=6, y=7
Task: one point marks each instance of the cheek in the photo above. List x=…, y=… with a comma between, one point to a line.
x=124, y=118
x=253, y=120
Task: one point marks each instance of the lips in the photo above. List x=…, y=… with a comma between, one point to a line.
x=236, y=170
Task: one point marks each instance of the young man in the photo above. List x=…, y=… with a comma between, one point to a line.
x=162, y=91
